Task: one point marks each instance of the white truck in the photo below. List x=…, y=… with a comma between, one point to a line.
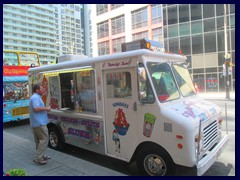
x=138, y=105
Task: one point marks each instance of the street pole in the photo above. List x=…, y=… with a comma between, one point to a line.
x=227, y=55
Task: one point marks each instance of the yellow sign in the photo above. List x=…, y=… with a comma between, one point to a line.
x=84, y=73
x=20, y=111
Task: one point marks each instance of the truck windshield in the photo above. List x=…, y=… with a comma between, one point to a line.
x=163, y=81
x=184, y=80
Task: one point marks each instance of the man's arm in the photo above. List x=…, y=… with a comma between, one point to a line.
x=38, y=109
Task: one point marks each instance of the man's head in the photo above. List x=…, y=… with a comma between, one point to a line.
x=38, y=89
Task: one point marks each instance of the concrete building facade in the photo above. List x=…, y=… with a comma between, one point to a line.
x=49, y=29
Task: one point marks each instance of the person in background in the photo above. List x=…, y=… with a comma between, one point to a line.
x=38, y=122
x=196, y=87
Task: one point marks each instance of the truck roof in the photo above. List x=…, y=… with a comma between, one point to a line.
x=91, y=60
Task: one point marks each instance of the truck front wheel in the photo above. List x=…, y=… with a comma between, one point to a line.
x=155, y=162
x=55, y=139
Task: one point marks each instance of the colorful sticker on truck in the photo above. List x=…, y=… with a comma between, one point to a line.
x=44, y=85
x=149, y=120
x=120, y=123
x=196, y=109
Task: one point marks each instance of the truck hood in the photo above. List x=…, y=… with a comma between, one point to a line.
x=193, y=109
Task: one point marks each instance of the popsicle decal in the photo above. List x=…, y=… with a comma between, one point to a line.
x=149, y=121
x=117, y=140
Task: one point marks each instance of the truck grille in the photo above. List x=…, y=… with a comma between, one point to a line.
x=210, y=133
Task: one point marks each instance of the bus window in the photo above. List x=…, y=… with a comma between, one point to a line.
x=10, y=59
x=29, y=59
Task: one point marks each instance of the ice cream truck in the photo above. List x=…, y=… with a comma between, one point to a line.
x=139, y=106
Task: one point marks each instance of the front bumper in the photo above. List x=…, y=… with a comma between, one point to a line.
x=205, y=163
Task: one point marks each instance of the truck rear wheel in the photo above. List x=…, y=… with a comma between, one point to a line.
x=155, y=162
x=55, y=139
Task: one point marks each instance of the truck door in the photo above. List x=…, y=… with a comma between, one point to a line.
x=120, y=88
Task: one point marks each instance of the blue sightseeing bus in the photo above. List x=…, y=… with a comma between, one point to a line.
x=15, y=84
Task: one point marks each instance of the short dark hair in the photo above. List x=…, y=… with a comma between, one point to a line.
x=35, y=87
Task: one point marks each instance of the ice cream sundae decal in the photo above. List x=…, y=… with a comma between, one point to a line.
x=120, y=123
x=121, y=126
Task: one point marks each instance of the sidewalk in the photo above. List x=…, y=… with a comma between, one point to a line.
x=18, y=153
x=216, y=95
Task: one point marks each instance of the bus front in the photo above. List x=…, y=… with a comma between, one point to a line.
x=15, y=84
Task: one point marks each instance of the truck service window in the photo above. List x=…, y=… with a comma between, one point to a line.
x=76, y=91
x=85, y=91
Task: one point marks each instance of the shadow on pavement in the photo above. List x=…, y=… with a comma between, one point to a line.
x=225, y=170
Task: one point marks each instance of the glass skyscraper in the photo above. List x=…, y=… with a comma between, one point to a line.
x=195, y=29
x=198, y=30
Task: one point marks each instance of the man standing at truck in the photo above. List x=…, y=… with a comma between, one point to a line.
x=38, y=122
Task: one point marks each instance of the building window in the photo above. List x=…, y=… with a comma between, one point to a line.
x=174, y=45
x=196, y=11
x=139, y=18
x=197, y=27
x=102, y=8
x=219, y=9
x=197, y=44
x=103, y=30
x=156, y=13
x=117, y=44
x=140, y=35
x=220, y=40
x=118, y=25
x=115, y=6
x=185, y=45
x=173, y=31
x=208, y=10
x=157, y=35
x=183, y=13
x=209, y=25
x=164, y=15
x=103, y=48
x=210, y=42
x=184, y=29
x=172, y=14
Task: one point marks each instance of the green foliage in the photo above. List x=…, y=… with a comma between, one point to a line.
x=17, y=172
